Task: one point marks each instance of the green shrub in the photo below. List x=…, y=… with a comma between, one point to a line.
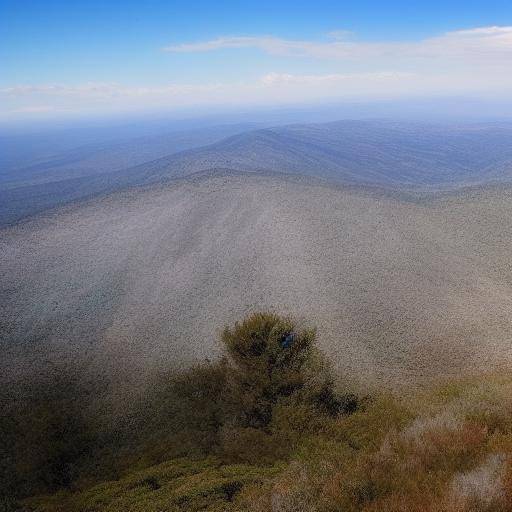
x=256, y=404
x=278, y=388
x=180, y=415
x=268, y=363
x=271, y=387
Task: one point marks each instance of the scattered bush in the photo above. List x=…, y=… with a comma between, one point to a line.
x=271, y=388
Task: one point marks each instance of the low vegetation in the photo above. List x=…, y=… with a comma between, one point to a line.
x=266, y=428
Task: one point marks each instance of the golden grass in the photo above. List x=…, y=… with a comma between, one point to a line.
x=448, y=450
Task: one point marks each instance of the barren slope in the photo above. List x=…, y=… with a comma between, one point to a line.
x=399, y=290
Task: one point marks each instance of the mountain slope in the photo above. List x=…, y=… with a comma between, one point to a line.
x=401, y=290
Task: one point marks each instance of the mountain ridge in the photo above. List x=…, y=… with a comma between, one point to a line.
x=397, y=155
x=330, y=151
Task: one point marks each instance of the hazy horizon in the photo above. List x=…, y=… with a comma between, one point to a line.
x=183, y=59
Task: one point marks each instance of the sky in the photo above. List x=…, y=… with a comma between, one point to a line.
x=83, y=58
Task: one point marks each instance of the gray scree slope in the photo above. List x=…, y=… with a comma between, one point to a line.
x=400, y=291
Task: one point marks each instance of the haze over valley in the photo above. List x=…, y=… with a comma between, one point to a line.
x=419, y=156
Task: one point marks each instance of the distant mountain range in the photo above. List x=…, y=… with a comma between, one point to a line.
x=384, y=153
x=58, y=176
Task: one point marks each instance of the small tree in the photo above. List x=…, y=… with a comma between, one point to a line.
x=268, y=363
x=256, y=403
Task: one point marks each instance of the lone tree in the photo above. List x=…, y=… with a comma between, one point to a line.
x=270, y=389
x=269, y=363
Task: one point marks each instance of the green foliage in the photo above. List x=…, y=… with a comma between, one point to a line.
x=173, y=486
x=279, y=389
x=256, y=405
x=390, y=455
x=396, y=456
x=261, y=429
x=180, y=414
x=263, y=371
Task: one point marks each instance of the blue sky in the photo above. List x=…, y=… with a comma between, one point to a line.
x=77, y=57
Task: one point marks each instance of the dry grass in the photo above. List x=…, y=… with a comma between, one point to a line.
x=452, y=454
x=448, y=450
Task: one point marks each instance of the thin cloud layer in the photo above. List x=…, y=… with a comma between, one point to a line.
x=482, y=41
x=476, y=62
x=281, y=87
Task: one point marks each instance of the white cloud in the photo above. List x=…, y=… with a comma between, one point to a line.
x=270, y=88
x=482, y=41
x=269, y=44
x=270, y=85
x=334, y=78
x=34, y=109
x=475, y=62
x=102, y=91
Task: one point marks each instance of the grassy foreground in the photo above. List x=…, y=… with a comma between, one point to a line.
x=448, y=450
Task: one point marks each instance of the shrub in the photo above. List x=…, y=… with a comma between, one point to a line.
x=180, y=414
x=271, y=387
x=268, y=363
x=278, y=388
